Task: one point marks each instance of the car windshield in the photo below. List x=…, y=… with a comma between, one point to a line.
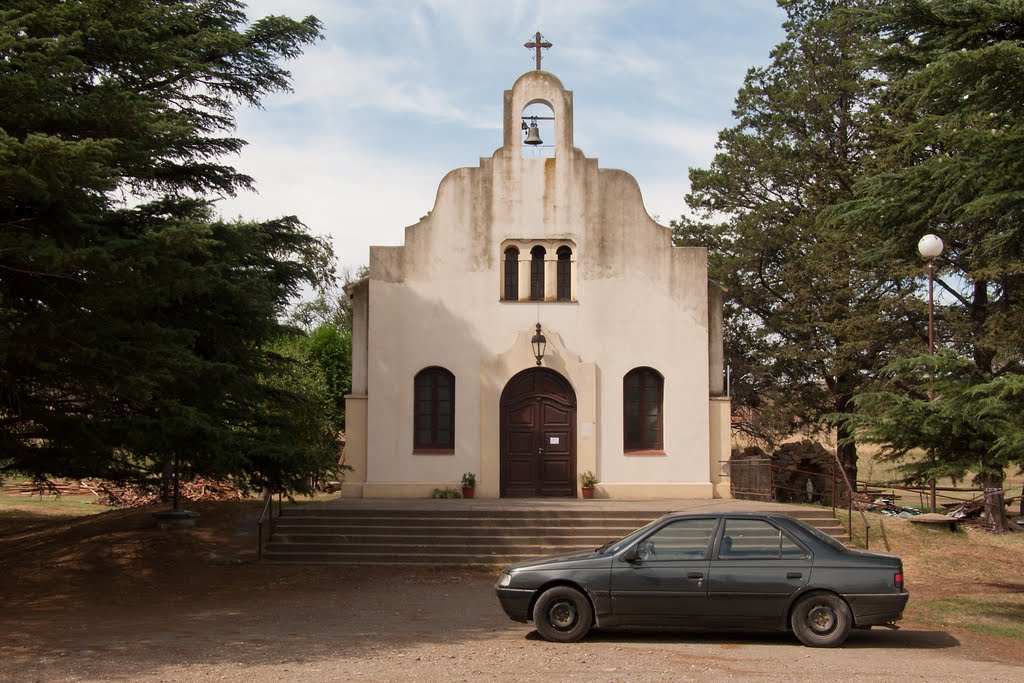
x=612, y=547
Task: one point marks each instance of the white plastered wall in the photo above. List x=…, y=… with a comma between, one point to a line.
x=638, y=301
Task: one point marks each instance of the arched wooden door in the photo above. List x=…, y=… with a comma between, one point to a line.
x=538, y=435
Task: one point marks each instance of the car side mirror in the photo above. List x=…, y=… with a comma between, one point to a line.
x=632, y=555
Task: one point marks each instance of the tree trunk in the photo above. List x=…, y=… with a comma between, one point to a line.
x=166, y=481
x=847, y=451
x=177, y=485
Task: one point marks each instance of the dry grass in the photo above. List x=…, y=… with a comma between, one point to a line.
x=970, y=579
x=49, y=505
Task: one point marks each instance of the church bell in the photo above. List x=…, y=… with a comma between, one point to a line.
x=533, y=134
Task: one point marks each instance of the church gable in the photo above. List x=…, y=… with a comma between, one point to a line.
x=565, y=202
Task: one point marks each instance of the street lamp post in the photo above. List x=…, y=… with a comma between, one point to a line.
x=930, y=247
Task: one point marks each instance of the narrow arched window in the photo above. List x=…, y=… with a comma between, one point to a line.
x=537, y=273
x=511, y=274
x=564, y=274
x=642, y=394
x=434, y=410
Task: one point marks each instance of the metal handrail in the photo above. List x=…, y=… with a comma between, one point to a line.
x=849, y=501
x=266, y=515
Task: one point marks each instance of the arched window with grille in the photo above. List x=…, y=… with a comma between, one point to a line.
x=537, y=273
x=643, y=421
x=434, y=411
x=511, y=289
x=564, y=273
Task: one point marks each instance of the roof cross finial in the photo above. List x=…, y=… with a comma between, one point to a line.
x=538, y=43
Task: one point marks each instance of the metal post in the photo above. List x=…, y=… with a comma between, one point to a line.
x=177, y=486
x=833, y=488
x=931, y=315
x=931, y=352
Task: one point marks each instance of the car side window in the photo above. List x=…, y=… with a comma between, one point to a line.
x=686, y=539
x=756, y=539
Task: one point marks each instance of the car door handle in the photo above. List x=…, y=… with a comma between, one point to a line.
x=795, y=575
x=695, y=575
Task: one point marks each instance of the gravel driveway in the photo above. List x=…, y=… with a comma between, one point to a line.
x=252, y=622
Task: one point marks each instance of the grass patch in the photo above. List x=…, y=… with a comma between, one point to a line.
x=1001, y=615
x=12, y=505
x=969, y=579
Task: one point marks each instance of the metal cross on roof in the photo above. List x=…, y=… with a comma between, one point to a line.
x=538, y=43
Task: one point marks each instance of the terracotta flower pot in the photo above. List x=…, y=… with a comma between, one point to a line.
x=588, y=492
x=468, y=491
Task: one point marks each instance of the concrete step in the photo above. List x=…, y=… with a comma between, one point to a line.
x=362, y=513
x=289, y=527
x=460, y=536
x=496, y=560
x=524, y=537
x=437, y=549
x=467, y=521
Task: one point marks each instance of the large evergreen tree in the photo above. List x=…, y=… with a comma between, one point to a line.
x=133, y=323
x=953, y=165
x=806, y=325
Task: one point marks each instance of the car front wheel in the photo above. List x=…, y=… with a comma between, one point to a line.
x=821, y=620
x=563, y=615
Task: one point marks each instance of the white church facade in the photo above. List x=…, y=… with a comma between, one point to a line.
x=449, y=375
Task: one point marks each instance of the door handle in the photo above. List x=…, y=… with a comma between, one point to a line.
x=695, y=575
x=794, y=575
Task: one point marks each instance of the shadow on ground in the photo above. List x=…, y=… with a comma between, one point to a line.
x=874, y=639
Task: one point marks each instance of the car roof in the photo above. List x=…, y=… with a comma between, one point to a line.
x=750, y=515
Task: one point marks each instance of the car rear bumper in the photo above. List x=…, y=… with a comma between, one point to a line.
x=874, y=609
x=515, y=602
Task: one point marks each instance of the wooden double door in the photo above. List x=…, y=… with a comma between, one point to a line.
x=538, y=435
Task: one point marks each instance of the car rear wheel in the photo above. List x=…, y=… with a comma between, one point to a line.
x=563, y=615
x=821, y=620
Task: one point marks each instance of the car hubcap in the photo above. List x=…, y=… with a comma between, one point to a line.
x=562, y=615
x=821, y=619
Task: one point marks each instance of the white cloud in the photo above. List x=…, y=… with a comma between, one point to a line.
x=355, y=196
x=401, y=91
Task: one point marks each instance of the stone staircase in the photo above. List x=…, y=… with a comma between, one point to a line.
x=460, y=536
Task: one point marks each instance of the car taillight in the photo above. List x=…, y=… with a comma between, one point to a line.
x=898, y=580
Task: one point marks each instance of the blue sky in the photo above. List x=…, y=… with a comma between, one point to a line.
x=401, y=92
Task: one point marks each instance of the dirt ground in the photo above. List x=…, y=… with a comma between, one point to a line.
x=110, y=598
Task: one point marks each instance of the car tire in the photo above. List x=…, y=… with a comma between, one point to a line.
x=821, y=620
x=563, y=615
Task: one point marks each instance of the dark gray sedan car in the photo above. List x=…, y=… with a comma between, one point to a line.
x=712, y=570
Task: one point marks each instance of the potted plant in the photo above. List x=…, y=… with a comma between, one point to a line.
x=468, y=484
x=588, y=480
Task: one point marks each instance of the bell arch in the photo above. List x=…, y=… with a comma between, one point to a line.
x=539, y=126
x=535, y=88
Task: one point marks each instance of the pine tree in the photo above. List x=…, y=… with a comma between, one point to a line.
x=806, y=324
x=951, y=164
x=133, y=322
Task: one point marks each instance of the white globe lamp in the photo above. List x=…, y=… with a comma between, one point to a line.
x=930, y=246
